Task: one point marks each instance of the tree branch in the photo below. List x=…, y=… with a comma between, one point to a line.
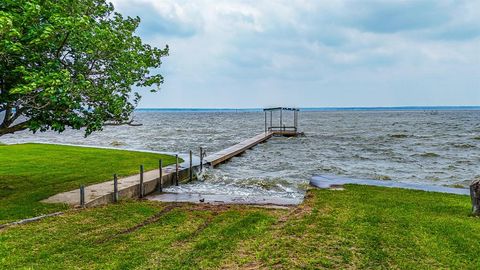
x=57, y=54
x=14, y=128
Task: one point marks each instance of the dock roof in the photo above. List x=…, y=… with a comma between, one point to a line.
x=281, y=108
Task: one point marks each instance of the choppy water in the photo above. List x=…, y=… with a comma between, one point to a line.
x=412, y=146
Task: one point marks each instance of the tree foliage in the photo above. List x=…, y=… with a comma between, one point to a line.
x=70, y=63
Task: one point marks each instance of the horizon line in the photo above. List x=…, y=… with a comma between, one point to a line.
x=323, y=107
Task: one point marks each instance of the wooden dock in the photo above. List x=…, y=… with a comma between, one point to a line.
x=226, y=154
x=270, y=131
x=130, y=187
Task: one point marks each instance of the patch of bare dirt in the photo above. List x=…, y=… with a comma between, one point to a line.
x=146, y=222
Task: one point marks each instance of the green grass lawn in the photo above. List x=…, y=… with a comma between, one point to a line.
x=30, y=173
x=360, y=227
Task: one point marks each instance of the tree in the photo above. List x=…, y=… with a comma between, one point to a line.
x=70, y=63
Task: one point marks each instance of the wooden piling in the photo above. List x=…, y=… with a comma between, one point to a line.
x=160, y=176
x=271, y=119
x=266, y=122
x=176, y=170
x=281, y=118
x=141, y=191
x=82, y=196
x=115, y=188
x=190, y=169
x=201, y=159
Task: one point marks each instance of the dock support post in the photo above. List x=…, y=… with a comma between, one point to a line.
x=295, y=120
x=115, y=188
x=201, y=159
x=281, y=118
x=190, y=169
x=265, y=123
x=141, y=182
x=160, y=176
x=176, y=170
x=271, y=119
x=82, y=196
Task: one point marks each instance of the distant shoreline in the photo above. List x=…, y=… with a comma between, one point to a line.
x=321, y=109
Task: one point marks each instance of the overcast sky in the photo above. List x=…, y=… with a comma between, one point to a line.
x=245, y=54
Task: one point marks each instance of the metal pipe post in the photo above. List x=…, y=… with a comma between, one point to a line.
x=115, y=188
x=160, y=176
x=176, y=170
x=141, y=182
x=201, y=159
x=271, y=119
x=265, y=122
x=190, y=169
x=298, y=112
x=281, y=118
x=295, y=120
x=82, y=196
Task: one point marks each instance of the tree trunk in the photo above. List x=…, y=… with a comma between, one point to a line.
x=475, y=194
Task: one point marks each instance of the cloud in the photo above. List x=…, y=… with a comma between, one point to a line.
x=159, y=18
x=397, y=16
x=234, y=49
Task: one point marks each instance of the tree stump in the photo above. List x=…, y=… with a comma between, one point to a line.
x=475, y=194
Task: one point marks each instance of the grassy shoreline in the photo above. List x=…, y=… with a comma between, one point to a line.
x=30, y=173
x=361, y=227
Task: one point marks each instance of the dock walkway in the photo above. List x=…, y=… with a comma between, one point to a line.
x=128, y=187
x=226, y=154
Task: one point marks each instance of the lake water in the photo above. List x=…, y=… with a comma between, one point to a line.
x=439, y=148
